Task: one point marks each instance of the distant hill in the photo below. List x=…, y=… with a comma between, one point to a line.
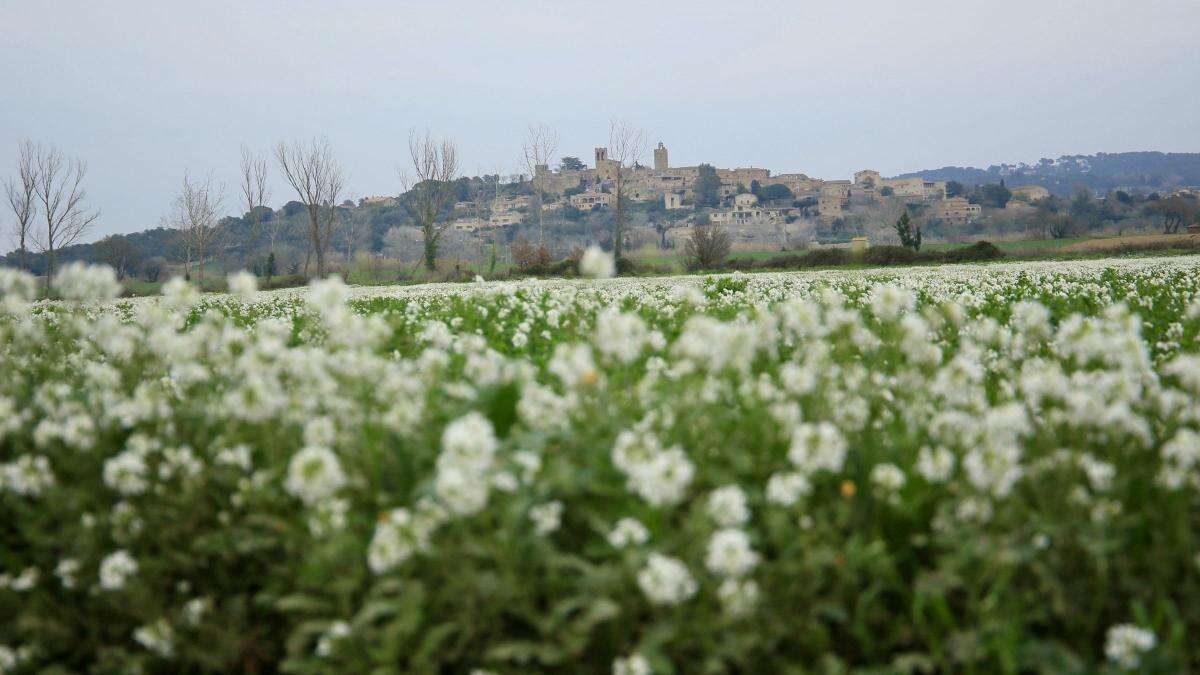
x=1102, y=172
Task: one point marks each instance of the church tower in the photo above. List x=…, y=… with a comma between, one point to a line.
x=660, y=158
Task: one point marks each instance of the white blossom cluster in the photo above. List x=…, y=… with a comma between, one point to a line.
x=599, y=465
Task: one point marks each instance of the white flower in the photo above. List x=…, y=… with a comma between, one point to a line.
x=126, y=472
x=887, y=477
x=470, y=437
x=327, y=296
x=663, y=478
x=82, y=282
x=729, y=553
x=468, y=448
x=546, y=517
x=461, y=488
x=786, y=488
x=573, y=365
x=242, y=284
x=817, y=447
x=888, y=302
x=628, y=531
x=666, y=580
x=596, y=264
x=320, y=431
x=28, y=475
x=935, y=465
x=67, y=571
x=634, y=664
x=26, y=580
x=1181, y=456
x=116, y=569
x=738, y=597
x=194, y=610
x=727, y=506
x=179, y=295
x=17, y=288
x=314, y=474
x=620, y=335
x=8, y=656
x=237, y=456
x=337, y=631
x=328, y=516
x=157, y=637
x=400, y=535
x=1125, y=644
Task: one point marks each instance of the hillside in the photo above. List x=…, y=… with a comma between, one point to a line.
x=1147, y=171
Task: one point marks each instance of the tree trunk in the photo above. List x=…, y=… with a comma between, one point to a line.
x=541, y=216
x=315, y=244
x=618, y=223
x=49, y=266
x=430, y=252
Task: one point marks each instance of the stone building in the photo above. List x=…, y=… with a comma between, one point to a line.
x=800, y=184
x=956, y=211
x=915, y=188
x=744, y=200
x=673, y=200
x=586, y=201
x=744, y=176
x=748, y=214
x=606, y=169
x=868, y=179
x=833, y=199
x=660, y=158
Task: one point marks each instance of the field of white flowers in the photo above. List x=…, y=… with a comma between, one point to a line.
x=954, y=469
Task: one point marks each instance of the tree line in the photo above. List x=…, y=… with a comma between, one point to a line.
x=51, y=213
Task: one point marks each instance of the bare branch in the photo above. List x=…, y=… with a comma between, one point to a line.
x=58, y=188
x=626, y=145
x=435, y=168
x=197, y=210
x=541, y=142
x=317, y=178
x=22, y=197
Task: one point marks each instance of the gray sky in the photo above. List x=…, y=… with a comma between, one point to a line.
x=146, y=90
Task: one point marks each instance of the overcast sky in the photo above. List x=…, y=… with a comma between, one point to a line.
x=146, y=90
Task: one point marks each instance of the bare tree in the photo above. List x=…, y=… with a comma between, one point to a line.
x=626, y=145
x=254, y=191
x=316, y=177
x=196, y=215
x=435, y=165
x=541, y=143
x=22, y=198
x=58, y=188
x=707, y=247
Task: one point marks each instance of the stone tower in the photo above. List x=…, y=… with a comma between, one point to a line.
x=601, y=155
x=660, y=158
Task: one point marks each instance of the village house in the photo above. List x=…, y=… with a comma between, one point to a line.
x=915, y=188
x=469, y=224
x=505, y=218
x=377, y=201
x=586, y=201
x=956, y=211
x=800, y=185
x=868, y=179
x=833, y=199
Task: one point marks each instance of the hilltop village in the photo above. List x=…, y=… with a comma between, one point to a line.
x=756, y=206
